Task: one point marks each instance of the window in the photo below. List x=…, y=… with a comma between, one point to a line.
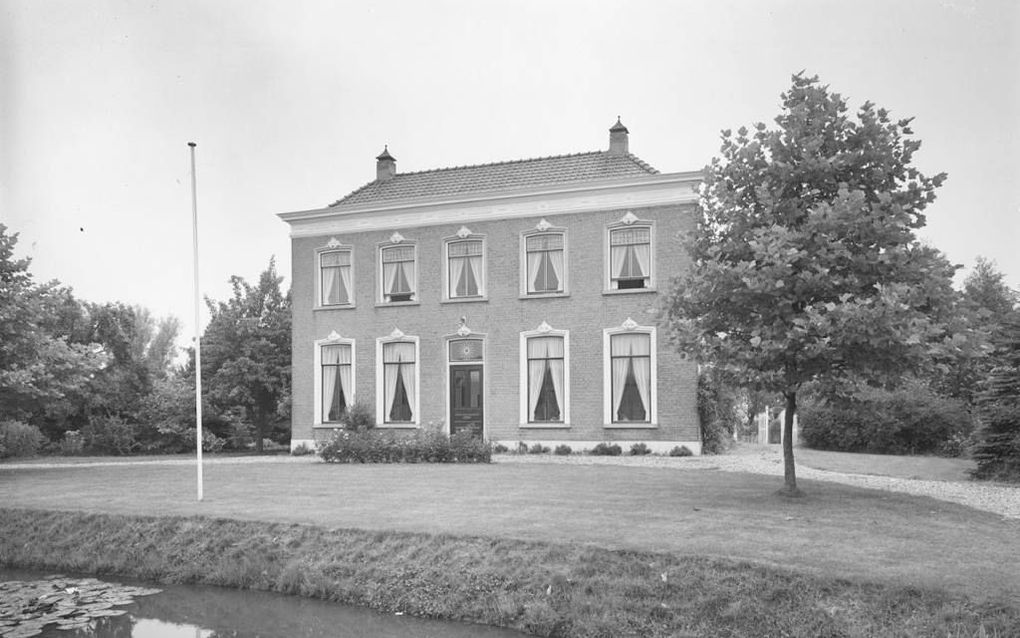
x=398, y=396
x=398, y=273
x=544, y=263
x=630, y=258
x=335, y=278
x=337, y=383
x=545, y=380
x=630, y=376
x=465, y=268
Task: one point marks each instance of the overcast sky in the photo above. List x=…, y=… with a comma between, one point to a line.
x=290, y=102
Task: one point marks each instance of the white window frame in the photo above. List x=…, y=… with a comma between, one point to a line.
x=483, y=287
x=525, y=286
x=332, y=340
x=381, y=288
x=544, y=330
x=629, y=327
x=628, y=222
x=380, y=390
x=333, y=247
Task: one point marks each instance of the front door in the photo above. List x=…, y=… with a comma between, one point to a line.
x=466, y=399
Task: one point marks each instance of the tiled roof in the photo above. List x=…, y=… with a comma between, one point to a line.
x=484, y=178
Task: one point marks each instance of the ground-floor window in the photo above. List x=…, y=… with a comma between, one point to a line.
x=545, y=379
x=399, y=381
x=630, y=374
x=336, y=381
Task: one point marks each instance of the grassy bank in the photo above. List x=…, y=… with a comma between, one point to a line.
x=547, y=589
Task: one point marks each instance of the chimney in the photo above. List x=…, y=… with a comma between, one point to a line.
x=386, y=166
x=618, y=138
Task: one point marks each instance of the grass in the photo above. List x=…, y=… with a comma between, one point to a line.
x=932, y=468
x=720, y=533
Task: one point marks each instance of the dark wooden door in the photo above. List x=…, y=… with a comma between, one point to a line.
x=466, y=400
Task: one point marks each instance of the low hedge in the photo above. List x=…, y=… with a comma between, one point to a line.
x=388, y=446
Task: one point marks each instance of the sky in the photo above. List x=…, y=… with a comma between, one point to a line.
x=290, y=102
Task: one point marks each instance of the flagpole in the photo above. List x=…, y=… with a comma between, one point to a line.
x=198, y=332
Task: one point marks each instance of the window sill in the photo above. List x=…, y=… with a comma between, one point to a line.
x=544, y=426
x=327, y=426
x=628, y=291
x=544, y=295
x=397, y=426
x=631, y=426
x=396, y=304
x=348, y=306
x=465, y=299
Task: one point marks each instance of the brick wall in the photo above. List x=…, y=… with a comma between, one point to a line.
x=501, y=318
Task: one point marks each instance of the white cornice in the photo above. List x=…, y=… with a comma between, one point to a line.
x=654, y=190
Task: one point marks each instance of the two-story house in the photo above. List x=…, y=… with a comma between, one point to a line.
x=519, y=300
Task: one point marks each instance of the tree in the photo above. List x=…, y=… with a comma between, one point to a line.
x=42, y=373
x=805, y=265
x=246, y=352
x=997, y=451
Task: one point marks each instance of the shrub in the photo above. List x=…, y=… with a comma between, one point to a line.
x=110, y=435
x=681, y=450
x=19, y=439
x=606, y=449
x=910, y=420
x=522, y=447
x=538, y=448
x=639, y=449
x=358, y=417
x=499, y=448
x=72, y=444
x=719, y=411
x=426, y=445
x=302, y=449
x=562, y=450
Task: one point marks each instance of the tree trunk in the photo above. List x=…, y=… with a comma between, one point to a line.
x=789, y=469
x=259, y=429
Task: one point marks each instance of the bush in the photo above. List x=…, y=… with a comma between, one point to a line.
x=639, y=449
x=681, y=450
x=302, y=449
x=910, y=420
x=427, y=445
x=719, y=410
x=538, y=448
x=72, y=444
x=562, y=450
x=499, y=448
x=358, y=417
x=109, y=435
x=606, y=449
x=19, y=439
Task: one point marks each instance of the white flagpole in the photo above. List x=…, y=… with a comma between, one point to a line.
x=198, y=331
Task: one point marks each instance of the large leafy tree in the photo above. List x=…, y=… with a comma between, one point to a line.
x=805, y=265
x=43, y=372
x=246, y=352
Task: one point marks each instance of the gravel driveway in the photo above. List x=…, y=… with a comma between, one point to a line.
x=997, y=498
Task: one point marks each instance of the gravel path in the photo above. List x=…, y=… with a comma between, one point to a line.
x=996, y=498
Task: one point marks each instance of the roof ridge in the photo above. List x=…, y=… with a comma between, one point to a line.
x=500, y=163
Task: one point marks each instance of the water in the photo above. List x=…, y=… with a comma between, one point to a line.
x=193, y=611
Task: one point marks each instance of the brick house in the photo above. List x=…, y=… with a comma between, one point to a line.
x=516, y=300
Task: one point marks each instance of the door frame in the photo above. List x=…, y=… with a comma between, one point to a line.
x=465, y=333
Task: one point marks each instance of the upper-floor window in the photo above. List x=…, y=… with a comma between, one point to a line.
x=465, y=268
x=399, y=278
x=630, y=257
x=544, y=267
x=335, y=278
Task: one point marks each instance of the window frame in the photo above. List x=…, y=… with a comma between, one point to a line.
x=381, y=299
x=544, y=330
x=333, y=247
x=464, y=235
x=629, y=327
x=380, y=382
x=629, y=222
x=333, y=339
x=525, y=283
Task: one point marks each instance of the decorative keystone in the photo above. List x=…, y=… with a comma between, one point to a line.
x=464, y=232
x=333, y=336
x=543, y=225
x=629, y=324
x=629, y=218
x=543, y=328
x=396, y=238
x=396, y=334
x=333, y=243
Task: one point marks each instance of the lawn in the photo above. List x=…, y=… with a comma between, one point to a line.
x=836, y=530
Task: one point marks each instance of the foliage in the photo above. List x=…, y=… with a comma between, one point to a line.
x=639, y=449
x=606, y=449
x=19, y=439
x=425, y=445
x=358, y=417
x=563, y=450
x=302, y=449
x=804, y=259
x=722, y=409
x=499, y=448
x=72, y=443
x=109, y=435
x=997, y=446
x=538, y=448
x=246, y=352
x=681, y=450
x=908, y=420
